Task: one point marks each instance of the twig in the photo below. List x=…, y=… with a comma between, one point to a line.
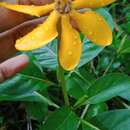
x=83, y=115
x=29, y=124
x=109, y=66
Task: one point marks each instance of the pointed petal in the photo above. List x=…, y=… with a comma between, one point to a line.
x=91, y=3
x=29, y=9
x=94, y=27
x=70, y=45
x=41, y=35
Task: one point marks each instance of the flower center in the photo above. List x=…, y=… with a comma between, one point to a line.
x=63, y=6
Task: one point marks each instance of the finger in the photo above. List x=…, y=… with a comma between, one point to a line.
x=9, y=19
x=8, y=38
x=6, y=47
x=12, y=66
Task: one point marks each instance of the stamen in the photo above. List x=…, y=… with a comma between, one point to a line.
x=63, y=6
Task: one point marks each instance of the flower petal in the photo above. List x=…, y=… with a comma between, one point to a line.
x=94, y=27
x=41, y=35
x=91, y=3
x=70, y=45
x=29, y=9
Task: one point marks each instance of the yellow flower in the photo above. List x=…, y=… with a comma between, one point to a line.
x=90, y=23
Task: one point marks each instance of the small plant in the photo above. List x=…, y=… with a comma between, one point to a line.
x=67, y=52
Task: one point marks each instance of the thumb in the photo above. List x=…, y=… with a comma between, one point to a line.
x=10, y=67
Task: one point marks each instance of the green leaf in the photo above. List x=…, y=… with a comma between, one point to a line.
x=33, y=65
x=124, y=46
x=47, y=56
x=108, y=87
x=36, y=110
x=62, y=119
x=78, y=82
x=88, y=126
x=90, y=51
x=113, y=120
x=23, y=88
x=80, y=101
x=96, y=109
x=87, y=75
x=77, y=85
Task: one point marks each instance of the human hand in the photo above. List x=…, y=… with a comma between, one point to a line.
x=12, y=66
x=14, y=25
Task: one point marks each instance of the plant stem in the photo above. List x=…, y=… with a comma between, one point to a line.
x=80, y=76
x=83, y=115
x=109, y=66
x=122, y=44
x=90, y=125
x=62, y=82
x=123, y=103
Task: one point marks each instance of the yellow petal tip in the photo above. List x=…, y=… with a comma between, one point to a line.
x=94, y=27
x=70, y=47
x=41, y=35
x=29, y=9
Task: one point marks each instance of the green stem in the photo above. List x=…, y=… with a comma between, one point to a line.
x=123, y=103
x=80, y=76
x=109, y=66
x=62, y=82
x=83, y=115
x=90, y=125
x=122, y=44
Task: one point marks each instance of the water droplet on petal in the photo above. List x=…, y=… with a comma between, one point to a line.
x=74, y=43
x=76, y=37
x=90, y=32
x=70, y=53
x=46, y=29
